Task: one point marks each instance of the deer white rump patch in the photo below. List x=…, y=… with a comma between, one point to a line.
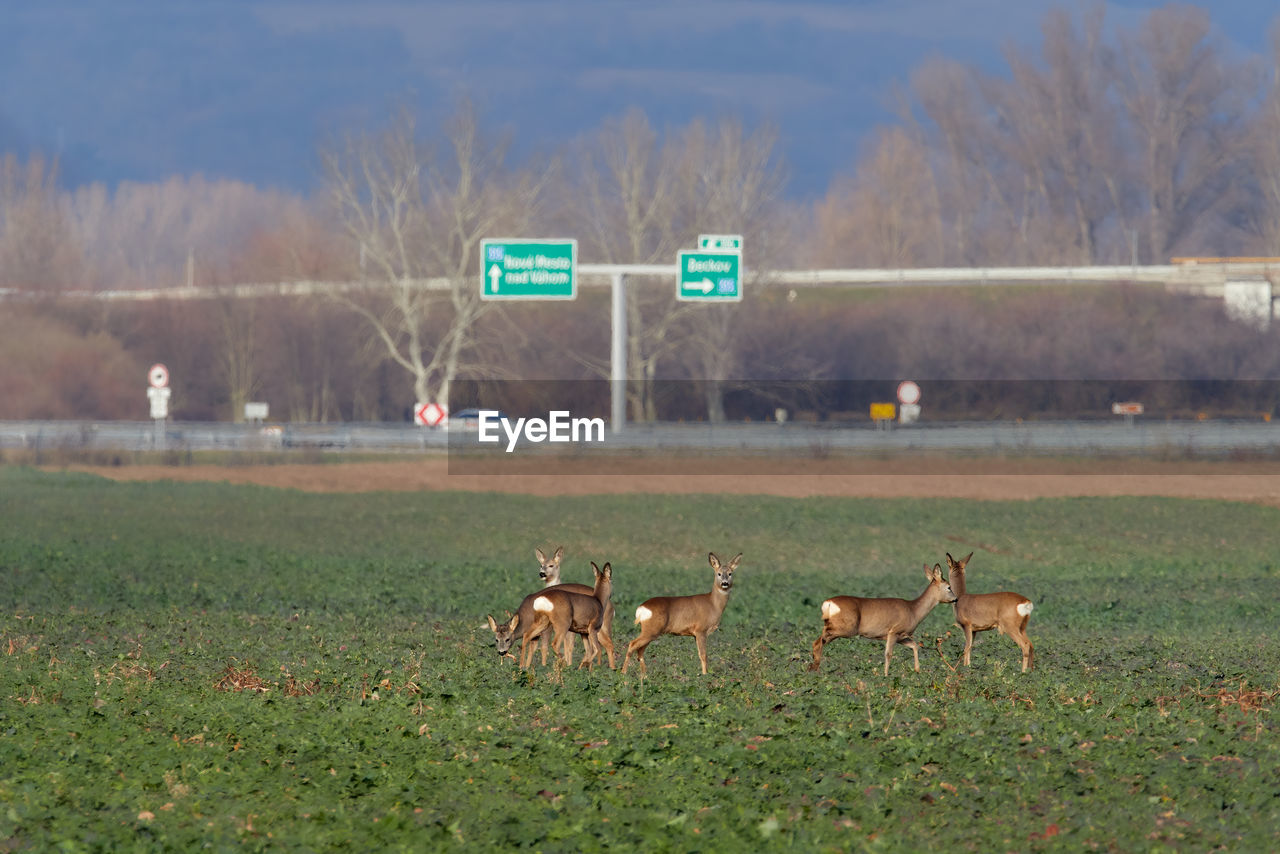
x=1025, y=608
x=543, y=605
x=829, y=609
x=642, y=614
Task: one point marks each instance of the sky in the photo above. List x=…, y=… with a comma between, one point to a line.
x=139, y=90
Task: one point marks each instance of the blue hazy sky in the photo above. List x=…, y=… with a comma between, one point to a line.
x=143, y=89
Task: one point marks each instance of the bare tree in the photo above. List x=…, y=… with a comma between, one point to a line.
x=1064, y=134
x=645, y=196
x=732, y=181
x=885, y=214
x=629, y=214
x=38, y=250
x=1185, y=100
x=416, y=218
x=1264, y=143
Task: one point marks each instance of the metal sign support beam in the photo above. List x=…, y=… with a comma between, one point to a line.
x=618, y=354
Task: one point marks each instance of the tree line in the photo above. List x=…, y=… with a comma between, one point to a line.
x=1103, y=146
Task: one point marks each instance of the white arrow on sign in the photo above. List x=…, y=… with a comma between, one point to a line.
x=495, y=276
x=706, y=286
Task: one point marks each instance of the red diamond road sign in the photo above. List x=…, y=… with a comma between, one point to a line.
x=429, y=414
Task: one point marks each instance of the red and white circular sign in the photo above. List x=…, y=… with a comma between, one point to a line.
x=429, y=414
x=908, y=393
x=158, y=376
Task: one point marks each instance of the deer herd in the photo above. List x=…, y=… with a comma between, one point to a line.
x=559, y=611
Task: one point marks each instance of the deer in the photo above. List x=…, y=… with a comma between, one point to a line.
x=697, y=615
x=537, y=617
x=526, y=624
x=977, y=612
x=549, y=572
x=890, y=620
x=569, y=612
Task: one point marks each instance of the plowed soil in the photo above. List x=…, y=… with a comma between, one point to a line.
x=975, y=479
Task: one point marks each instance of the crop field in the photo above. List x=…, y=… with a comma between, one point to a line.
x=202, y=664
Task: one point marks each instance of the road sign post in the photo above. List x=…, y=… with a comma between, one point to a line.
x=515, y=268
x=883, y=414
x=709, y=276
x=909, y=398
x=158, y=393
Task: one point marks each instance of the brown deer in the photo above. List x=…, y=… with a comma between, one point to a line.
x=549, y=572
x=535, y=618
x=520, y=624
x=569, y=612
x=684, y=615
x=977, y=612
x=890, y=620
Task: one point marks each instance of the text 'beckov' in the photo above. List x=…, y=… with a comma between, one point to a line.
x=559, y=426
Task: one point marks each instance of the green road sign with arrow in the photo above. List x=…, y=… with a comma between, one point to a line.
x=528, y=269
x=709, y=276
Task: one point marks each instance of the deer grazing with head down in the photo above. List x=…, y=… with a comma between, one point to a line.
x=977, y=612
x=890, y=620
x=697, y=615
x=549, y=572
x=560, y=611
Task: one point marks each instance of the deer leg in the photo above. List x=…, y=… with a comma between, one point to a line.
x=566, y=641
x=910, y=643
x=590, y=653
x=543, y=640
x=527, y=645
x=637, y=646
x=605, y=640
x=606, y=632
x=817, y=650
x=968, y=642
x=702, y=651
x=1019, y=635
x=888, y=650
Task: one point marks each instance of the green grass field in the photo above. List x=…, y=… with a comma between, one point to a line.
x=140, y=622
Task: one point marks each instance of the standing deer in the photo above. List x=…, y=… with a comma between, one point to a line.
x=569, y=612
x=684, y=615
x=536, y=618
x=549, y=572
x=890, y=620
x=978, y=612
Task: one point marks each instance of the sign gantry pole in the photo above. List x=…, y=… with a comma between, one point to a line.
x=618, y=355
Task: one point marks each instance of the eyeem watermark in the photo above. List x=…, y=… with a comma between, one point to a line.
x=559, y=427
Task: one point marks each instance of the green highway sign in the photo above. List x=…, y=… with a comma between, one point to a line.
x=709, y=276
x=720, y=242
x=514, y=268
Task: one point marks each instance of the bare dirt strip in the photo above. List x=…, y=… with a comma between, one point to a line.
x=976, y=479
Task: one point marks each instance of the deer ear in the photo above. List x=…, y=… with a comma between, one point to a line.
x=713, y=560
x=559, y=553
x=965, y=562
x=733, y=564
x=928, y=573
x=606, y=570
x=515, y=620
x=950, y=560
x=493, y=625
x=595, y=568
x=538, y=553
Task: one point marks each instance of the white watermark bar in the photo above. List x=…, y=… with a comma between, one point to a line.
x=551, y=427
x=558, y=428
